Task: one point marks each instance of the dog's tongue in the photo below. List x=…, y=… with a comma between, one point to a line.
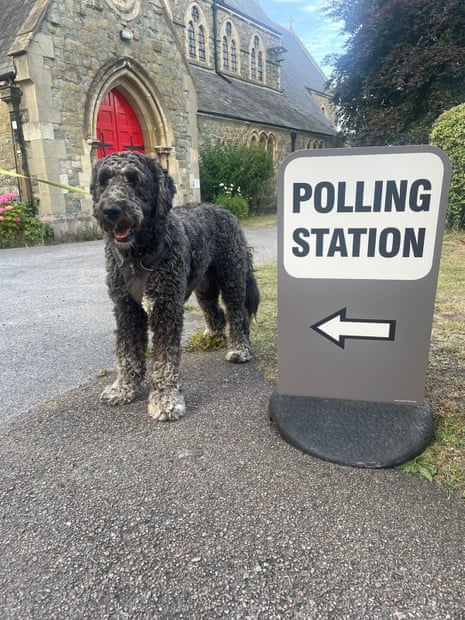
x=121, y=234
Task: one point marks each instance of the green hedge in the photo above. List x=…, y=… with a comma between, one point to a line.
x=234, y=169
x=448, y=133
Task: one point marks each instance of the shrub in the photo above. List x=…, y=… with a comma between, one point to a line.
x=249, y=168
x=236, y=204
x=448, y=133
x=18, y=225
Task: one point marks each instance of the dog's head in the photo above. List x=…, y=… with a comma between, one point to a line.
x=130, y=190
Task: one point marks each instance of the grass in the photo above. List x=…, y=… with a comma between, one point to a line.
x=445, y=385
x=444, y=459
x=264, y=332
x=258, y=221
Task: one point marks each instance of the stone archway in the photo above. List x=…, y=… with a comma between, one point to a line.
x=145, y=120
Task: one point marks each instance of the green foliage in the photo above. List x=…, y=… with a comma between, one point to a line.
x=402, y=67
x=204, y=342
x=248, y=170
x=18, y=224
x=236, y=204
x=448, y=133
x=420, y=467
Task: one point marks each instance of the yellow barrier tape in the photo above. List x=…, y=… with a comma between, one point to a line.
x=70, y=188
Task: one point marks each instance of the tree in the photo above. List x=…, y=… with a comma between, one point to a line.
x=403, y=66
x=449, y=134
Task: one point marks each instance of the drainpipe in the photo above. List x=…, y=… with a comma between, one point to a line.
x=215, y=34
x=11, y=95
x=216, y=42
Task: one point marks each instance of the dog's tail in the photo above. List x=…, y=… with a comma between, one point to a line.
x=252, y=294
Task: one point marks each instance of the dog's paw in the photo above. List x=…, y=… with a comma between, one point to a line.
x=166, y=406
x=118, y=394
x=239, y=356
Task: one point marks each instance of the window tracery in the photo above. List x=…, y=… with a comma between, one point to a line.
x=196, y=34
x=229, y=58
x=257, y=66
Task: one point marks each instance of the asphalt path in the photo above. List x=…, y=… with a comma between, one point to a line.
x=107, y=514
x=56, y=320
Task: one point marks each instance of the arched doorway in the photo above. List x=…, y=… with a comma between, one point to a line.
x=117, y=126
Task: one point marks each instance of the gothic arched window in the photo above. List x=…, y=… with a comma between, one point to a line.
x=233, y=55
x=197, y=34
x=225, y=54
x=260, y=67
x=229, y=47
x=201, y=40
x=253, y=64
x=257, y=67
x=191, y=40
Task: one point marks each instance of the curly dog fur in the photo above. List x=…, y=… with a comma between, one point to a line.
x=156, y=257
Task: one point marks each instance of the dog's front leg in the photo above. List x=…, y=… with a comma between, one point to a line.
x=131, y=349
x=165, y=401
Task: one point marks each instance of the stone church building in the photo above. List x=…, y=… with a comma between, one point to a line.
x=83, y=78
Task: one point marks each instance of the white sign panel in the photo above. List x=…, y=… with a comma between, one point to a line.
x=361, y=216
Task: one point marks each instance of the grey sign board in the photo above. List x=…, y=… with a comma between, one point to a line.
x=359, y=242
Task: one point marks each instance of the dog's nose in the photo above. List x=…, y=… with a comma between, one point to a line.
x=111, y=211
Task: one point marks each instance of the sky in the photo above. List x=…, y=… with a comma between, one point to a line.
x=318, y=33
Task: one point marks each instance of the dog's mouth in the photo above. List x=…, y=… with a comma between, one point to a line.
x=122, y=234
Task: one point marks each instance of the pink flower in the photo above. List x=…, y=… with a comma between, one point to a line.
x=17, y=219
x=9, y=197
x=1, y=218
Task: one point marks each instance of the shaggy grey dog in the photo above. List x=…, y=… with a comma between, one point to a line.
x=156, y=257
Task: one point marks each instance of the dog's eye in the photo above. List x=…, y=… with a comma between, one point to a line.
x=104, y=176
x=131, y=175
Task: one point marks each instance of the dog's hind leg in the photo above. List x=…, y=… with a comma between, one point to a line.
x=207, y=293
x=239, y=349
x=131, y=350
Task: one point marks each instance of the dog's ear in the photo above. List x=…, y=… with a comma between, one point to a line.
x=170, y=185
x=165, y=188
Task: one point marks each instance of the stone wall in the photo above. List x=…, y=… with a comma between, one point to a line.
x=233, y=131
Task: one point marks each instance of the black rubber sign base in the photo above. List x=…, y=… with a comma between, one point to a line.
x=356, y=433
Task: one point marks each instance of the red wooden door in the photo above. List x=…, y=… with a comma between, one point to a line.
x=117, y=126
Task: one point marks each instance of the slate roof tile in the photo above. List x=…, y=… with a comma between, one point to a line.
x=14, y=14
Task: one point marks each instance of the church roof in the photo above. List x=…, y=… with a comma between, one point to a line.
x=299, y=69
x=249, y=8
x=18, y=17
x=239, y=100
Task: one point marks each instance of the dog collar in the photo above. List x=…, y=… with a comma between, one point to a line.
x=135, y=275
